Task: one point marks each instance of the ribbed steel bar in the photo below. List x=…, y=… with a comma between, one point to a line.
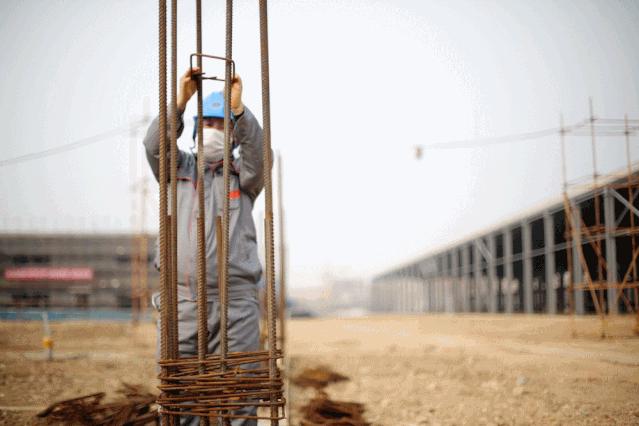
x=173, y=339
x=202, y=326
x=282, y=298
x=268, y=213
x=172, y=344
x=226, y=170
x=164, y=279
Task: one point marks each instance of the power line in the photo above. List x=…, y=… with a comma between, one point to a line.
x=472, y=143
x=609, y=127
x=70, y=146
x=479, y=142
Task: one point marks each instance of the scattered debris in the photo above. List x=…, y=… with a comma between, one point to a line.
x=318, y=377
x=136, y=408
x=323, y=411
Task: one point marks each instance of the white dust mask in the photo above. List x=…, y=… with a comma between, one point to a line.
x=213, y=141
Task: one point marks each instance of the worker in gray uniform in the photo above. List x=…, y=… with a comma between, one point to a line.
x=245, y=271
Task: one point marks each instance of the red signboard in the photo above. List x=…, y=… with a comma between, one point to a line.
x=32, y=273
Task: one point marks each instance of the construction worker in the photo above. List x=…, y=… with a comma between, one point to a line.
x=245, y=271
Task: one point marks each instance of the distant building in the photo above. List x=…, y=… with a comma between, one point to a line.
x=73, y=270
x=347, y=297
x=576, y=254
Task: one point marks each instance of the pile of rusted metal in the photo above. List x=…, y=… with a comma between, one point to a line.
x=135, y=407
x=318, y=377
x=321, y=410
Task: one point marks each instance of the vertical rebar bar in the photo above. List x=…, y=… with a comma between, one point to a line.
x=202, y=305
x=282, y=307
x=282, y=304
x=268, y=213
x=173, y=166
x=226, y=171
x=163, y=181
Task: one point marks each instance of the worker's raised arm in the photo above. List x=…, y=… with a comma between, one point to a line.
x=152, y=144
x=248, y=135
x=152, y=138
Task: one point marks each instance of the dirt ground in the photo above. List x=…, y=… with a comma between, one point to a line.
x=407, y=370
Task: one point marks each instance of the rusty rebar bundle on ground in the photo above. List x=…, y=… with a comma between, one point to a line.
x=322, y=411
x=136, y=408
x=318, y=377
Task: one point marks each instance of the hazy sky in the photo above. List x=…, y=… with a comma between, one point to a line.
x=354, y=86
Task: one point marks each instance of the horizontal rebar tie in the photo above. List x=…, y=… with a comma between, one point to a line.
x=193, y=387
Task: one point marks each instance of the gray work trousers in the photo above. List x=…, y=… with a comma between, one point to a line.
x=243, y=335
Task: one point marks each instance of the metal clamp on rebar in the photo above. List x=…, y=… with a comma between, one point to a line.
x=201, y=75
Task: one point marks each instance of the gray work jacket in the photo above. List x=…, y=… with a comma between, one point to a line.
x=245, y=271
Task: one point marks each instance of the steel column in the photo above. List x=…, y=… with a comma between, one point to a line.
x=456, y=281
x=526, y=237
x=611, y=251
x=549, y=258
x=576, y=264
x=508, y=271
x=446, y=283
x=465, y=277
x=492, y=274
x=477, y=305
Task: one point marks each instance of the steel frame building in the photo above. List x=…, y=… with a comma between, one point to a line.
x=525, y=264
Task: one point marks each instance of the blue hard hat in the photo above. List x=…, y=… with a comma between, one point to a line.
x=212, y=107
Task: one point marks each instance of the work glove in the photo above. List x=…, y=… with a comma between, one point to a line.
x=188, y=87
x=237, y=107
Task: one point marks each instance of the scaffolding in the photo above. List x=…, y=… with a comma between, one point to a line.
x=602, y=245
